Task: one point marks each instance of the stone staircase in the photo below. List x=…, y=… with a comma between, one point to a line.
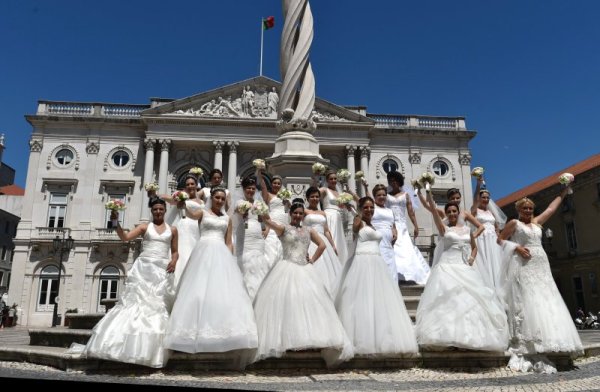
x=412, y=295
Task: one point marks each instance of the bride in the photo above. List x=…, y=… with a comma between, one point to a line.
x=293, y=308
x=212, y=312
x=539, y=319
x=277, y=208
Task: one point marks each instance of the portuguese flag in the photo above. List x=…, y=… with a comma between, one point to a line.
x=268, y=22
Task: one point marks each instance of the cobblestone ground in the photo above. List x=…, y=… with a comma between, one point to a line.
x=584, y=377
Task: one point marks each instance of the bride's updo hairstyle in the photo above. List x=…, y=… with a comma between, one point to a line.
x=329, y=173
x=363, y=200
x=156, y=200
x=396, y=176
x=248, y=181
x=377, y=188
x=451, y=192
x=450, y=204
x=523, y=201
x=481, y=192
x=310, y=191
x=297, y=203
x=217, y=188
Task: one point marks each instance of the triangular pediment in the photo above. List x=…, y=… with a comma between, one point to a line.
x=255, y=98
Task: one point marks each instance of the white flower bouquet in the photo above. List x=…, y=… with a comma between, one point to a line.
x=260, y=208
x=416, y=184
x=343, y=175
x=198, y=172
x=344, y=199
x=427, y=179
x=180, y=196
x=359, y=175
x=151, y=186
x=284, y=194
x=319, y=168
x=115, y=205
x=243, y=206
x=259, y=164
x=477, y=172
x=566, y=179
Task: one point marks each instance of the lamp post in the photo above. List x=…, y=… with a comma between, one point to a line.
x=60, y=245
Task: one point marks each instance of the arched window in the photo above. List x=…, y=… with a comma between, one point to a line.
x=389, y=165
x=48, y=288
x=109, y=285
x=120, y=158
x=440, y=168
x=64, y=157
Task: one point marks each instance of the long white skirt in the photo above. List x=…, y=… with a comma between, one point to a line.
x=489, y=260
x=372, y=309
x=328, y=266
x=409, y=261
x=336, y=227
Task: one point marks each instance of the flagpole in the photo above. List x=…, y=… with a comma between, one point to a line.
x=261, y=44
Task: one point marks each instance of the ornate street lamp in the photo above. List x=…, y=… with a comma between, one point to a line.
x=60, y=245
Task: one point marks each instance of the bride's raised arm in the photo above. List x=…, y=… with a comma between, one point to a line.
x=436, y=217
x=278, y=228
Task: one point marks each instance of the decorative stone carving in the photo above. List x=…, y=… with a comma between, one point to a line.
x=52, y=156
x=165, y=144
x=218, y=145
x=364, y=151
x=36, y=145
x=149, y=144
x=233, y=146
x=464, y=159
x=414, y=158
x=92, y=147
x=350, y=150
x=327, y=117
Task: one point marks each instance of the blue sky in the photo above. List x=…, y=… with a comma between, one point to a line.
x=526, y=74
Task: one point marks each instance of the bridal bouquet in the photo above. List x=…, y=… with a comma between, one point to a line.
x=319, y=168
x=151, y=186
x=343, y=175
x=359, y=175
x=115, y=205
x=477, y=172
x=284, y=194
x=180, y=196
x=566, y=179
x=259, y=208
x=198, y=172
x=242, y=207
x=416, y=184
x=344, y=199
x=259, y=164
x=427, y=179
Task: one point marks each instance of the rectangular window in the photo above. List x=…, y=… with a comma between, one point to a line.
x=579, y=297
x=4, y=252
x=122, y=198
x=48, y=292
x=57, y=210
x=571, y=236
x=593, y=283
x=108, y=290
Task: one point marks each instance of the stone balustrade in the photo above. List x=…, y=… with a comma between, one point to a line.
x=90, y=109
x=51, y=232
x=410, y=121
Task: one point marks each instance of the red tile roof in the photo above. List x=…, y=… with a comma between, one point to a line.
x=578, y=168
x=12, y=190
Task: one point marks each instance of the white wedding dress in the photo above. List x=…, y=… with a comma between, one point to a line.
x=133, y=330
x=489, y=253
x=273, y=248
x=212, y=312
x=251, y=255
x=383, y=221
x=328, y=265
x=409, y=261
x=538, y=317
x=188, y=235
x=456, y=308
x=370, y=304
x=293, y=309
x=336, y=226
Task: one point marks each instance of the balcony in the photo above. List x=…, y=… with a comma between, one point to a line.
x=106, y=235
x=413, y=121
x=49, y=233
x=89, y=109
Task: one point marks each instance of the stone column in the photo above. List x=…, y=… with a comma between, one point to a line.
x=218, y=154
x=149, y=145
x=163, y=170
x=232, y=172
x=364, y=165
x=351, y=168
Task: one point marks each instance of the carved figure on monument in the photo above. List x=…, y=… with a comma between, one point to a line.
x=272, y=101
x=207, y=108
x=224, y=108
x=247, y=101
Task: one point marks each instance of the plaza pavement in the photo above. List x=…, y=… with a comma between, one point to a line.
x=585, y=376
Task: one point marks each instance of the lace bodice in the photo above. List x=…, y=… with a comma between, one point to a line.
x=329, y=201
x=213, y=227
x=295, y=242
x=277, y=211
x=527, y=235
x=398, y=207
x=156, y=245
x=487, y=219
x=383, y=219
x=368, y=241
x=316, y=222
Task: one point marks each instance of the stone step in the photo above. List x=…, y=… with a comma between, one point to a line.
x=411, y=303
x=59, y=358
x=58, y=336
x=412, y=290
x=83, y=321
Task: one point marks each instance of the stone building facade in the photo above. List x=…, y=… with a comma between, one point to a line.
x=83, y=154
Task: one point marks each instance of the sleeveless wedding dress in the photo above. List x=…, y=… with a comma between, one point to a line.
x=383, y=221
x=188, y=235
x=489, y=253
x=370, y=304
x=328, y=265
x=251, y=255
x=273, y=247
x=336, y=226
x=133, y=330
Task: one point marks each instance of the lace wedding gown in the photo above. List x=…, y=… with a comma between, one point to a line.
x=212, y=312
x=456, y=308
x=188, y=235
x=336, y=226
x=370, y=304
x=538, y=317
x=383, y=221
x=293, y=309
x=133, y=330
x=273, y=247
x=409, y=261
x=250, y=251
x=489, y=253
x=328, y=266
